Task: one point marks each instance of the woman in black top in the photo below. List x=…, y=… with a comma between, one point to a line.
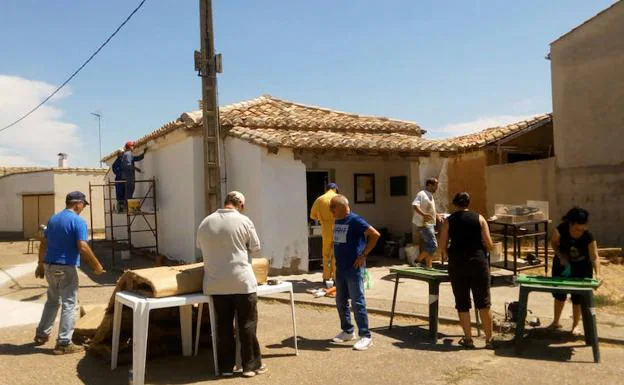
x=576, y=255
x=470, y=241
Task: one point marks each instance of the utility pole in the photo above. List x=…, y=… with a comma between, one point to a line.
x=208, y=64
x=99, y=118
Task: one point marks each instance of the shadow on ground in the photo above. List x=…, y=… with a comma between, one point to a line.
x=321, y=345
x=418, y=338
x=23, y=350
x=545, y=345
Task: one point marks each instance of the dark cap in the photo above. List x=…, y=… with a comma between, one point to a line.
x=76, y=196
x=332, y=186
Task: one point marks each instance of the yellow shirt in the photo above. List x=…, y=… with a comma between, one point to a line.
x=320, y=209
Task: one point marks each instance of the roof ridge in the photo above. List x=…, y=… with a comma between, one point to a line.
x=353, y=114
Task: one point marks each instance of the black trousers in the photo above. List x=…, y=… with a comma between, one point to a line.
x=245, y=307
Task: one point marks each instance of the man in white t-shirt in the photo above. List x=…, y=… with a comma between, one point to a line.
x=226, y=239
x=424, y=221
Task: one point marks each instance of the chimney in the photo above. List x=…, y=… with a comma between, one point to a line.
x=62, y=160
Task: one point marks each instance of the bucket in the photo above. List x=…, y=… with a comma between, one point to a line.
x=496, y=254
x=134, y=206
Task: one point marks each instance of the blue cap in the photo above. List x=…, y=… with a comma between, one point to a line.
x=332, y=186
x=75, y=196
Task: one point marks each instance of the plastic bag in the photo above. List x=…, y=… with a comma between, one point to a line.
x=368, y=281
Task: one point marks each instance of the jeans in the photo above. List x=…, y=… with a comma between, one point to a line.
x=245, y=306
x=430, y=243
x=350, y=285
x=63, y=292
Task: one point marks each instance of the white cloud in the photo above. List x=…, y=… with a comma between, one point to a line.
x=457, y=129
x=37, y=139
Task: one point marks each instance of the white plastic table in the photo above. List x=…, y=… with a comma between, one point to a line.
x=141, y=306
x=263, y=290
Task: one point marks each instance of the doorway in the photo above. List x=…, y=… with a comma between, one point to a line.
x=315, y=182
x=36, y=210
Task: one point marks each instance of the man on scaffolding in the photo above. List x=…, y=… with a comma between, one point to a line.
x=127, y=170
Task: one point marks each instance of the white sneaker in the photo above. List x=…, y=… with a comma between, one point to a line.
x=363, y=344
x=344, y=337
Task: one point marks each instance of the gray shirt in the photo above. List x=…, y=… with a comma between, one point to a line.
x=226, y=238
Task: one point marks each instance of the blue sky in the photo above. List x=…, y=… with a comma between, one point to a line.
x=453, y=67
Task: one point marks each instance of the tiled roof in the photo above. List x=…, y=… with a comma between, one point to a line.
x=270, y=112
x=15, y=170
x=67, y=170
x=272, y=122
x=495, y=134
x=382, y=142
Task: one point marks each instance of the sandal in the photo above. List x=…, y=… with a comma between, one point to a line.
x=489, y=345
x=553, y=326
x=467, y=343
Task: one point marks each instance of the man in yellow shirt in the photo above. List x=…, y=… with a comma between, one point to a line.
x=320, y=212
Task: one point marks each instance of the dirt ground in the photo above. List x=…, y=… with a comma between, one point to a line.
x=402, y=355
x=399, y=356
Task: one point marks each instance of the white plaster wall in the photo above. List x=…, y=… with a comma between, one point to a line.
x=275, y=188
x=391, y=212
x=174, y=164
x=284, y=223
x=65, y=182
x=12, y=188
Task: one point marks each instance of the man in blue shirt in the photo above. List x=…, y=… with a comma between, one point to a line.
x=354, y=239
x=65, y=239
x=120, y=185
x=128, y=167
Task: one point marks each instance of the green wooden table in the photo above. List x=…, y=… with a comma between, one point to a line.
x=433, y=277
x=581, y=286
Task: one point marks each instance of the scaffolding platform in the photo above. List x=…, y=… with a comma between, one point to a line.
x=122, y=225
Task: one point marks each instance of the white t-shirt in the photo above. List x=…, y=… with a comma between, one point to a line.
x=226, y=237
x=424, y=201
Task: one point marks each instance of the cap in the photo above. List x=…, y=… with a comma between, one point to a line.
x=76, y=196
x=129, y=144
x=332, y=186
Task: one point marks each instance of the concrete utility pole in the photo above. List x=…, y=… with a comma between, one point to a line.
x=208, y=64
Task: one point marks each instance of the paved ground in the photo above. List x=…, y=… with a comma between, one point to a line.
x=400, y=356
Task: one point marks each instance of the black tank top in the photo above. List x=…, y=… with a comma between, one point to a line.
x=465, y=237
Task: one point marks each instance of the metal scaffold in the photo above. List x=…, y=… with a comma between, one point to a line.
x=146, y=209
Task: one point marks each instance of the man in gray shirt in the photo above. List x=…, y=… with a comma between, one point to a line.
x=226, y=239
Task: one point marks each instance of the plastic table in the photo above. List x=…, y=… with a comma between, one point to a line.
x=141, y=306
x=580, y=286
x=433, y=277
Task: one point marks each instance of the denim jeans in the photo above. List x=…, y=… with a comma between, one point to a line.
x=63, y=292
x=350, y=285
x=430, y=243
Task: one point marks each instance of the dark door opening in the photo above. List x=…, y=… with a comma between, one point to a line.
x=316, y=182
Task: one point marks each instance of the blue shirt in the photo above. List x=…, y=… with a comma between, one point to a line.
x=64, y=231
x=127, y=164
x=349, y=240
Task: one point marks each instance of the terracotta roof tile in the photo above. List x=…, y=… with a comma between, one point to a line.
x=8, y=171
x=272, y=122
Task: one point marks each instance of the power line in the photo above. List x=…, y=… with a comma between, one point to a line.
x=78, y=70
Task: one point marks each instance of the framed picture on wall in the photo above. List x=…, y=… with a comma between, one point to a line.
x=398, y=186
x=364, y=186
